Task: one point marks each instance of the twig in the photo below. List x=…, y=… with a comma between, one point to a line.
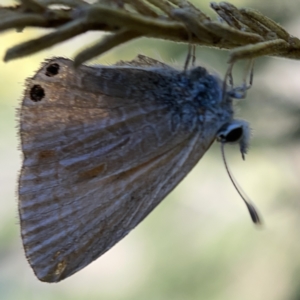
x=246, y=32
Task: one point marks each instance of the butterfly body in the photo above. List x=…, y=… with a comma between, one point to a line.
x=102, y=148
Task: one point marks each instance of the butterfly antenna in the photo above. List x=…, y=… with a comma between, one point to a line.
x=252, y=210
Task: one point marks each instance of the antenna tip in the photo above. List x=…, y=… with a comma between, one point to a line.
x=256, y=219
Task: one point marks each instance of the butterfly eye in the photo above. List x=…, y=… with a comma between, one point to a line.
x=231, y=133
x=232, y=136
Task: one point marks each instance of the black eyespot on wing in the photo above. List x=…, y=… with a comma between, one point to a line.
x=234, y=135
x=37, y=93
x=52, y=70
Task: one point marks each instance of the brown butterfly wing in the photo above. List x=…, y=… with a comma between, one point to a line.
x=99, y=154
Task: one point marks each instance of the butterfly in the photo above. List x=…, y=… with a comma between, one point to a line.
x=103, y=146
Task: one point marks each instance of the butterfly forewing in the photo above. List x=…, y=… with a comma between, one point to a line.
x=101, y=150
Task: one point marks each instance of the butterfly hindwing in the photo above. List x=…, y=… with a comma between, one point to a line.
x=101, y=150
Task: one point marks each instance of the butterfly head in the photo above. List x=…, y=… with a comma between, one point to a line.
x=237, y=131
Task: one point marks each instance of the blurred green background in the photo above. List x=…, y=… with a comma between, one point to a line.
x=200, y=242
